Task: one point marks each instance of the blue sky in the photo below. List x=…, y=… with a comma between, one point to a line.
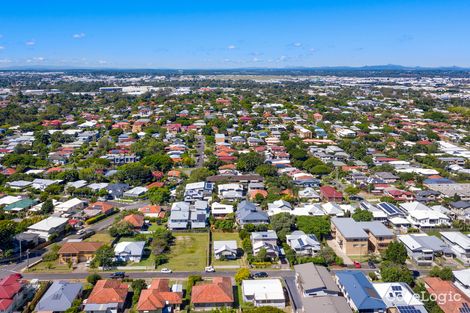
x=234, y=34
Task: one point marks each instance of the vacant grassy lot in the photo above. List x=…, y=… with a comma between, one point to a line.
x=103, y=237
x=189, y=252
x=219, y=236
x=50, y=267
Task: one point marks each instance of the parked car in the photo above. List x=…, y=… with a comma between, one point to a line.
x=166, y=270
x=260, y=275
x=357, y=264
x=209, y=269
x=371, y=264
x=118, y=275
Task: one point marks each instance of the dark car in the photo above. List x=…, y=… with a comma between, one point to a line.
x=371, y=264
x=117, y=275
x=260, y=275
x=356, y=198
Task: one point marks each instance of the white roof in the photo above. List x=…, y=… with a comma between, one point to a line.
x=69, y=204
x=9, y=200
x=457, y=238
x=198, y=185
x=463, y=276
x=48, y=223
x=225, y=245
x=220, y=208
x=130, y=247
x=263, y=289
x=395, y=294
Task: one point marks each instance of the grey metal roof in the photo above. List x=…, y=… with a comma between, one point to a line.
x=326, y=304
x=315, y=277
x=377, y=228
x=349, y=228
x=59, y=296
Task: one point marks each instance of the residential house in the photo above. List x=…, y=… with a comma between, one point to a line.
x=135, y=192
x=264, y=292
x=248, y=213
x=422, y=216
x=422, y=248
x=460, y=245
x=69, y=206
x=47, y=227
x=213, y=295
x=265, y=240
x=152, y=211
x=13, y=293
x=135, y=220
x=97, y=208
x=59, y=297
x=198, y=191
x=302, y=244
x=279, y=206
x=462, y=280
x=330, y=194
x=129, y=251
x=158, y=298
x=230, y=191
x=220, y=210
x=179, y=216
x=108, y=296
x=359, y=292
x=438, y=287
x=314, y=281
x=78, y=251
x=399, y=297
x=225, y=249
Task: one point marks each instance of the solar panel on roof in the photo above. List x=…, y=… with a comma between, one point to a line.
x=396, y=288
x=407, y=309
x=465, y=308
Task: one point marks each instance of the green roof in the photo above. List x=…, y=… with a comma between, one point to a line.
x=21, y=204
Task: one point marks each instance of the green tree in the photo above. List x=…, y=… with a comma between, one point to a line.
x=396, y=253
x=266, y=170
x=282, y=224
x=248, y=162
x=242, y=274
x=104, y=256
x=362, y=215
x=158, y=195
x=122, y=228
x=392, y=272
x=93, y=278
x=317, y=225
x=47, y=207
x=137, y=286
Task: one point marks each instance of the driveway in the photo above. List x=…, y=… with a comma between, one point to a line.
x=334, y=245
x=296, y=299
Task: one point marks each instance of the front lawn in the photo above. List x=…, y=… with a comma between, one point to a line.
x=188, y=252
x=50, y=267
x=103, y=237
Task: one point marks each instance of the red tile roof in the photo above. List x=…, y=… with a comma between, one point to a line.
x=219, y=291
x=443, y=289
x=108, y=291
x=157, y=295
x=135, y=219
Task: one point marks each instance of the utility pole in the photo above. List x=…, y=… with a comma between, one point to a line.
x=27, y=258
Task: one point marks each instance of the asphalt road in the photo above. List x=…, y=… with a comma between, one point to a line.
x=143, y=275
x=200, y=146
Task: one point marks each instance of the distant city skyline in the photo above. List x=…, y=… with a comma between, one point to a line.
x=234, y=34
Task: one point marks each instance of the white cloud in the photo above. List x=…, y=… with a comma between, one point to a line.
x=78, y=36
x=2, y=48
x=5, y=61
x=231, y=47
x=102, y=62
x=35, y=60
x=30, y=43
x=1, y=36
x=297, y=44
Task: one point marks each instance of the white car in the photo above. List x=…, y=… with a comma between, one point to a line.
x=209, y=269
x=166, y=270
